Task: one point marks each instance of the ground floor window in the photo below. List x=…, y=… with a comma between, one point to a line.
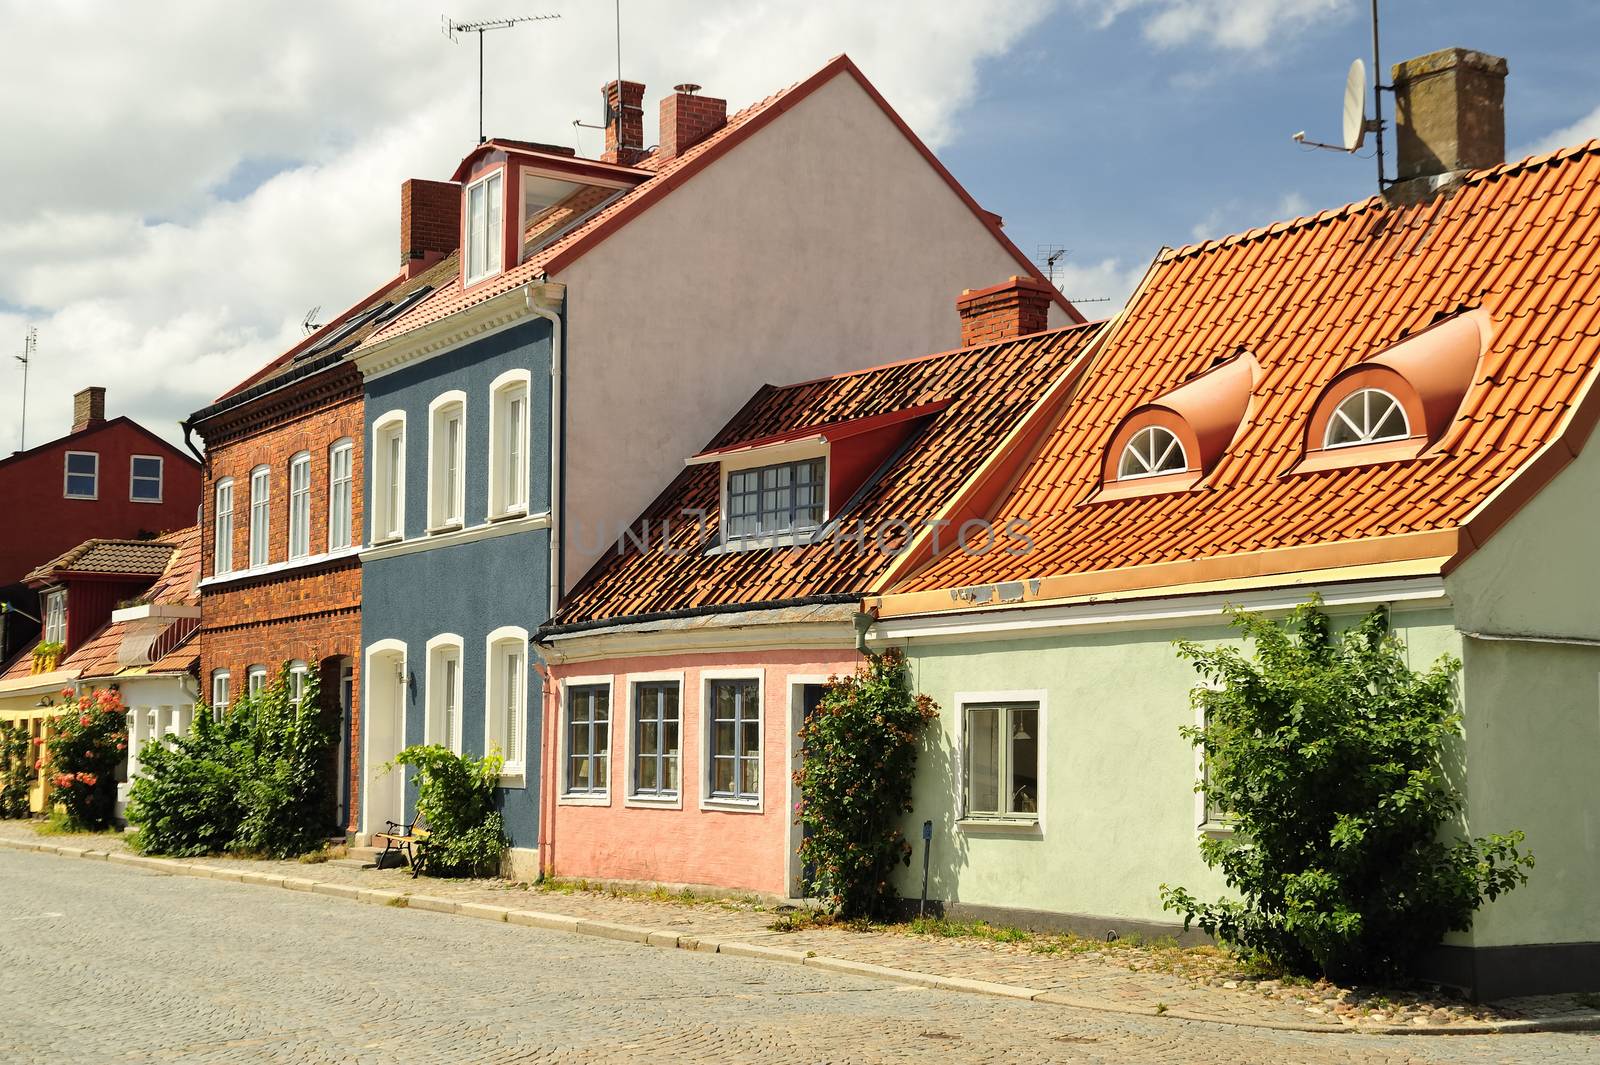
x=588, y=738
x=1002, y=760
x=735, y=739
x=255, y=680
x=656, y=728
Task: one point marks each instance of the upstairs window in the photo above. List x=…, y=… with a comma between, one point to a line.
x=1368, y=416
x=508, y=445
x=485, y=236
x=144, y=479
x=446, y=470
x=782, y=498
x=260, y=514
x=223, y=548
x=1154, y=450
x=300, y=506
x=220, y=680
x=341, y=495
x=55, y=617
x=83, y=475
x=389, y=477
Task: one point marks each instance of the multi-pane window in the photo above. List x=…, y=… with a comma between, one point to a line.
x=298, y=672
x=508, y=681
x=220, y=680
x=1002, y=760
x=485, y=236
x=83, y=475
x=144, y=479
x=341, y=495
x=443, y=725
x=588, y=738
x=736, y=740
x=223, y=548
x=300, y=506
x=656, y=722
x=260, y=514
x=447, y=483
x=1213, y=815
x=1367, y=417
x=55, y=617
x=508, y=457
x=1153, y=450
x=255, y=679
x=784, y=497
x=388, y=482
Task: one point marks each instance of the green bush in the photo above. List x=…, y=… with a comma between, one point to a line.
x=456, y=800
x=855, y=785
x=253, y=783
x=16, y=769
x=1326, y=752
x=88, y=743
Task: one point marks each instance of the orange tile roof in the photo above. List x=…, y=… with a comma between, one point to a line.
x=1309, y=299
x=966, y=402
x=130, y=557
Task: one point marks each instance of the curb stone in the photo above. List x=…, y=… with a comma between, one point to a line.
x=741, y=949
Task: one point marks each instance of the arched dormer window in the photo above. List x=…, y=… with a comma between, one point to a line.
x=1366, y=416
x=1154, y=450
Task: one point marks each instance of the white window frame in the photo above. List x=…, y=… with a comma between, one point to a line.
x=1405, y=421
x=67, y=475
x=440, y=648
x=1204, y=823
x=263, y=507
x=341, y=516
x=55, y=617
x=987, y=823
x=596, y=797
x=527, y=172
x=388, y=485
x=299, y=672
x=221, y=681
x=494, y=185
x=255, y=680
x=160, y=478
x=629, y=741
x=1148, y=432
x=447, y=494
x=299, y=506
x=514, y=774
x=222, y=526
x=708, y=801
x=501, y=391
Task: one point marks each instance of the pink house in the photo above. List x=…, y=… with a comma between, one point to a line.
x=681, y=667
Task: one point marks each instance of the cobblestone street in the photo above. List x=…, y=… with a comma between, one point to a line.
x=102, y=963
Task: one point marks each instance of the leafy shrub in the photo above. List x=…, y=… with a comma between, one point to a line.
x=88, y=742
x=16, y=769
x=855, y=784
x=456, y=800
x=1326, y=752
x=252, y=783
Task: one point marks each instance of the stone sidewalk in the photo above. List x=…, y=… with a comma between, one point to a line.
x=1112, y=979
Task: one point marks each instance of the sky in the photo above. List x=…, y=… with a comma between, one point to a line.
x=184, y=180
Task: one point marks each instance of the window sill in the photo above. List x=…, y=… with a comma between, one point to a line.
x=69, y=495
x=155, y=501
x=1339, y=458
x=654, y=802
x=508, y=515
x=383, y=540
x=447, y=527
x=1022, y=825
x=770, y=541
x=514, y=779
x=1139, y=487
x=268, y=569
x=584, y=800
x=1213, y=830
x=732, y=806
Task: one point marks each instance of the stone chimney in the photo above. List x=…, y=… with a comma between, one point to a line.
x=1012, y=308
x=1450, y=117
x=624, y=122
x=687, y=119
x=88, y=408
x=430, y=223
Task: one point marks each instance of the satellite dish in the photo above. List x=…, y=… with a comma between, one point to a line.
x=1355, y=107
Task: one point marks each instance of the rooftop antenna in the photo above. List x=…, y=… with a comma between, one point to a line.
x=450, y=29
x=610, y=117
x=1049, y=255
x=309, y=323
x=1356, y=123
x=30, y=344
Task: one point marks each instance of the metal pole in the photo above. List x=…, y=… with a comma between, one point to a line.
x=927, y=842
x=480, y=87
x=1377, y=92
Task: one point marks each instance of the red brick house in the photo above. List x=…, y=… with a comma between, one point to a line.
x=282, y=521
x=106, y=478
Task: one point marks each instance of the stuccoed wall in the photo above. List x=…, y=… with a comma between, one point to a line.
x=1118, y=809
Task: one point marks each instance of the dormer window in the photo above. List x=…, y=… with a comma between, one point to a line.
x=55, y=617
x=785, y=497
x=1154, y=450
x=1368, y=416
x=485, y=236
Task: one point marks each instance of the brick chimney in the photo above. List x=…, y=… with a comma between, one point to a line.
x=1450, y=117
x=687, y=119
x=88, y=408
x=1012, y=308
x=430, y=223
x=629, y=147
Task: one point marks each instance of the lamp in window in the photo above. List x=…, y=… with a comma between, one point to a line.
x=1018, y=732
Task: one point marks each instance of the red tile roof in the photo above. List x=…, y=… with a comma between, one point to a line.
x=1309, y=299
x=964, y=402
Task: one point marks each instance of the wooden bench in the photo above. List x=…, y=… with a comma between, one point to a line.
x=404, y=841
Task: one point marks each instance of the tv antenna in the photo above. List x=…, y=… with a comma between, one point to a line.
x=30, y=344
x=450, y=29
x=1048, y=256
x=1356, y=123
x=309, y=323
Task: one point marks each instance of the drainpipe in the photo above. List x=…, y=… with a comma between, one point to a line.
x=547, y=767
x=558, y=441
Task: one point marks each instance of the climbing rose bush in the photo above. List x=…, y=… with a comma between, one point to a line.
x=88, y=743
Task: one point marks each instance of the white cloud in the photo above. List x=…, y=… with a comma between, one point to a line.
x=1240, y=214
x=1586, y=128
x=186, y=179
x=1100, y=288
x=1238, y=25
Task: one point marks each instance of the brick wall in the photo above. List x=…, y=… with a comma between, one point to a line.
x=430, y=219
x=686, y=120
x=1013, y=308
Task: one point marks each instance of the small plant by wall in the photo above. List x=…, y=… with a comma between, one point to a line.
x=1326, y=750
x=253, y=783
x=456, y=800
x=88, y=742
x=855, y=785
x=16, y=769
